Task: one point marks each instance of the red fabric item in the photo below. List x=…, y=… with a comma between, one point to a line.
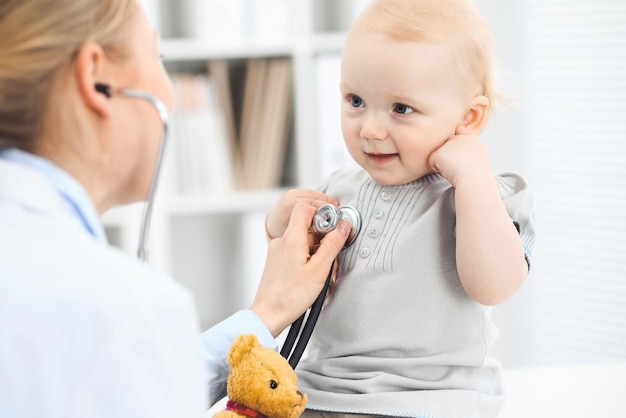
x=242, y=410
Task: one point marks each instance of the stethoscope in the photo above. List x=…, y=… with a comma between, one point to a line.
x=326, y=219
x=142, y=253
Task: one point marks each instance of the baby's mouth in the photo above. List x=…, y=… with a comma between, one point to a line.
x=381, y=158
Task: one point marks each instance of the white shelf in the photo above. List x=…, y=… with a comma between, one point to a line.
x=183, y=49
x=187, y=49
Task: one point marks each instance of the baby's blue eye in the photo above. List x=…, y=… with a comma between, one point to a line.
x=356, y=101
x=402, y=109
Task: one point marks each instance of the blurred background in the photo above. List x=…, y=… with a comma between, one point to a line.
x=258, y=112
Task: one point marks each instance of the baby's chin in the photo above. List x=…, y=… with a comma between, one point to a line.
x=388, y=179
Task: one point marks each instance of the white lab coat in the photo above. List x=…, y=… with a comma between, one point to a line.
x=85, y=330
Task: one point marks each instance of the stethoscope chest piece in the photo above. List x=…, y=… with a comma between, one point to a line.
x=328, y=216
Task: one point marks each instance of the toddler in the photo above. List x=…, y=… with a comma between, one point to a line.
x=406, y=330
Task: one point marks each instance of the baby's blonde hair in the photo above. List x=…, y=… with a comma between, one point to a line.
x=454, y=23
x=38, y=38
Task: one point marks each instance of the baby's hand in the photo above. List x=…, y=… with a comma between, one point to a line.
x=461, y=156
x=278, y=216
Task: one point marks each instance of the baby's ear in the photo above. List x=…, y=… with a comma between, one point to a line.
x=242, y=345
x=474, y=117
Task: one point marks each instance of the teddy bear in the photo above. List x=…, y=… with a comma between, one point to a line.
x=261, y=383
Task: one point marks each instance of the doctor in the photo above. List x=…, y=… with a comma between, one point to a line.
x=86, y=331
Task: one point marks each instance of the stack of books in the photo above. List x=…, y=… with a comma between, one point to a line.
x=221, y=141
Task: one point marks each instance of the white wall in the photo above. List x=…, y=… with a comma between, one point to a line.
x=566, y=136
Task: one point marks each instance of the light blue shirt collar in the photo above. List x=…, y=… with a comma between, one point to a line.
x=70, y=190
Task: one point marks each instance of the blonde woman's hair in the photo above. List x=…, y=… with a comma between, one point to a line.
x=454, y=23
x=38, y=38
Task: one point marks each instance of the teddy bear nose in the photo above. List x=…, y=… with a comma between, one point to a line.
x=299, y=393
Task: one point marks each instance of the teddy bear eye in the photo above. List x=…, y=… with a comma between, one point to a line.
x=273, y=384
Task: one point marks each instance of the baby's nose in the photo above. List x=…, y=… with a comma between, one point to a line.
x=373, y=127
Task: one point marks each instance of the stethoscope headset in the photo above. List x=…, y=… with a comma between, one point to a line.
x=142, y=253
x=325, y=220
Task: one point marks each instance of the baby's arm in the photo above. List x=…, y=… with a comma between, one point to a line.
x=278, y=216
x=489, y=253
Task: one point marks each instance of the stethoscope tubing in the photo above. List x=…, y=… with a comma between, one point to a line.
x=325, y=220
x=142, y=253
x=293, y=357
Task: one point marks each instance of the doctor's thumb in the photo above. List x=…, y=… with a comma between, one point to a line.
x=333, y=242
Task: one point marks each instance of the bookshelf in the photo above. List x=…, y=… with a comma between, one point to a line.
x=212, y=240
x=214, y=243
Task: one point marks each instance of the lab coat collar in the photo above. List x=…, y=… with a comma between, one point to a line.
x=40, y=185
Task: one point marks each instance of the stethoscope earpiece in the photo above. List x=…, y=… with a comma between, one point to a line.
x=104, y=89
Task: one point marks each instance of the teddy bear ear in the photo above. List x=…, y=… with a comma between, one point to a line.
x=242, y=345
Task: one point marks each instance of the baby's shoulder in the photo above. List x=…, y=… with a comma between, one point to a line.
x=511, y=184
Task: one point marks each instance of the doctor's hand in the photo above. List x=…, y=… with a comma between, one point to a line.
x=292, y=279
x=278, y=216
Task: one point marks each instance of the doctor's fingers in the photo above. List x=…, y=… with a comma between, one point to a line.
x=309, y=197
x=299, y=223
x=297, y=236
x=330, y=246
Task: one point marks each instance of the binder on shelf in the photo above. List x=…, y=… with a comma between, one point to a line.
x=219, y=73
x=265, y=121
x=180, y=171
x=270, y=159
x=215, y=142
x=202, y=155
x=251, y=118
x=210, y=155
